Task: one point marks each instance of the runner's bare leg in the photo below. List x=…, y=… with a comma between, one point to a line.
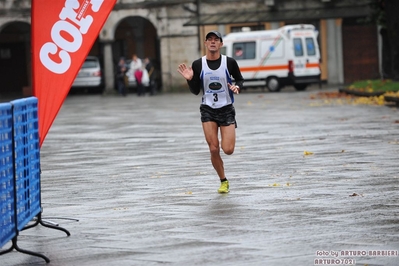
x=211, y=137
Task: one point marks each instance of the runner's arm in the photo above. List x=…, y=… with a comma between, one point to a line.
x=195, y=82
x=235, y=72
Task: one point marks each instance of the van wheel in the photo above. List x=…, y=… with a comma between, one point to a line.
x=300, y=87
x=273, y=84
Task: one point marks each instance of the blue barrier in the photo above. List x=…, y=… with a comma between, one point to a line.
x=20, y=198
x=27, y=160
x=7, y=199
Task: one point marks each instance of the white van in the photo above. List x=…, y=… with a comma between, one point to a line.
x=274, y=58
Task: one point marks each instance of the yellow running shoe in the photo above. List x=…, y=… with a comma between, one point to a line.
x=224, y=187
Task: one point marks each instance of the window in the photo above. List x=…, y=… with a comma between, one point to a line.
x=310, y=46
x=298, y=48
x=89, y=63
x=244, y=50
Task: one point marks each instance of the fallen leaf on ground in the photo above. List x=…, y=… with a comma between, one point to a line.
x=307, y=153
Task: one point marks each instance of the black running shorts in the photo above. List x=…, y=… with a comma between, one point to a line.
x=223, y=116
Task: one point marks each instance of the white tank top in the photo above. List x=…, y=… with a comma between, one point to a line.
x=216, y=91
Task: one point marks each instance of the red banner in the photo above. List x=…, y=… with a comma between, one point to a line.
x=63, y=32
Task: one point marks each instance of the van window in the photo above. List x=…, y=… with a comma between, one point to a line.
x=310, y=46
x=244, y=50
x=298, y=48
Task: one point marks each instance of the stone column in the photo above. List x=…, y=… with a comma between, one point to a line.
x=108, y=68
x=340, y=53
x=335, y=53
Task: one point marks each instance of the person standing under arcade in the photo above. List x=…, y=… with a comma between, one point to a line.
x=120, y=76
x=136, y=68
x=213, y=74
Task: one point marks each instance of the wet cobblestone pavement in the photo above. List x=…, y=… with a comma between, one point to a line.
x=135, y=174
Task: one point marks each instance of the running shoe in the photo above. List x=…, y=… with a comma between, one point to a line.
x=224, y=187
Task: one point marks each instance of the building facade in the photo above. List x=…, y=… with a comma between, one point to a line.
x=172, y=31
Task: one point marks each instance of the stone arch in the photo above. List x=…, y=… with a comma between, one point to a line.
x=137, y=35
x=15, y=58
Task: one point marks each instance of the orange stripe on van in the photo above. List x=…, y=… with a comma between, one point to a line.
x=263, y=68
x=312, y=65
x=274, y=67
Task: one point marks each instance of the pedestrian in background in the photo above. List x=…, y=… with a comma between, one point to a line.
x=151, y=74
x=136, y=67
x=213, y=74
x=120, y=76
